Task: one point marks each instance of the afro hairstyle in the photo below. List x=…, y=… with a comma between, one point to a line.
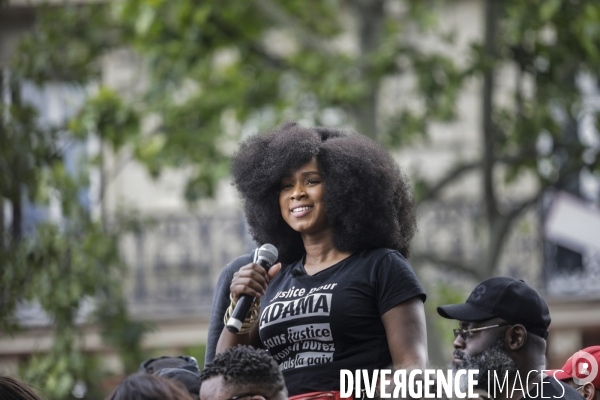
x=368, y=200
x=243, y=366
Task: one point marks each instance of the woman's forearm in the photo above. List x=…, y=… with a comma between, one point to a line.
x=228, y=340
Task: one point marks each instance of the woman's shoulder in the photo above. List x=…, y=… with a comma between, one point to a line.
x=381, y=254
x=235, y=265
x=393, y=275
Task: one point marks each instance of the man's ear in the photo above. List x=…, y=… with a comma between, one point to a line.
x=588, y=391
x=515, y=337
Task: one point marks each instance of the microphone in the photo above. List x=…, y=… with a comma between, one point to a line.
x=266, y=256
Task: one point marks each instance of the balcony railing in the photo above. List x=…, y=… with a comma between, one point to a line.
x=175, y=263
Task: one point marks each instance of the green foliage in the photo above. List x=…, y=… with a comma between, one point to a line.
x=66, y=44
x=250, y=65
x=68, y=265
x=253, y=64
x=18, y=137
x=119, y=331
x=106, y=116
x=549, y=53
x=63, y=267
x=58, y=371
x=553, y=44
x=25, y=152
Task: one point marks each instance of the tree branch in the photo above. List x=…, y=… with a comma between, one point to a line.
x=524, y=205
x=523, y=155
x=489, y=133
x=450, y=177
x=499, y=230
x=448, y=263
x=460, y=169
x=370, y=16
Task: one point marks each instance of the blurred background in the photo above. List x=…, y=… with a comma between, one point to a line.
x=118, y=119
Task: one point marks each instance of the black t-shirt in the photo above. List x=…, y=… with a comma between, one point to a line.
x=553, y=389
x=315, y=325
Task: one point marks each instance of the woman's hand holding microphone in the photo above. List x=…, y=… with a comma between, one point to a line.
x=248, y=284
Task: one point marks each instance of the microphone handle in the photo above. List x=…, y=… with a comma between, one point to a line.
x=239, y=313
x=243, y=306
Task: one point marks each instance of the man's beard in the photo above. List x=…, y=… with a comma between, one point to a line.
x=494, y=358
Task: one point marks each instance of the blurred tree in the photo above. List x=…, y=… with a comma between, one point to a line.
x=214, y=69
x=72, y=264
x=217, y=68
x=63, y=265
x=553, y=48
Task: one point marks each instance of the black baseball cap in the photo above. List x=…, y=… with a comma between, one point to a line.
x=507, y=298
x=184, y=362
x=190, y=380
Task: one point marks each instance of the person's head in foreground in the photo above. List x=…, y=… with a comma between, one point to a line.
x=152, y=365
x=13, y=389
x=351, y=188
x=142, y=386
x=243, y=373
x=188, y=379
x=582, y=372
x=503, y=327
x=183, y=369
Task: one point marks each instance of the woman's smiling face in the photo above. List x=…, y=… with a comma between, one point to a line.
x=302, y=199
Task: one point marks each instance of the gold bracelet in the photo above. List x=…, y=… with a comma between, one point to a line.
x=250, y=320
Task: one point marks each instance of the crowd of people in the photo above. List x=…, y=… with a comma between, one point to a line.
x=343, y=296
x=242, y=372
x=503, y=327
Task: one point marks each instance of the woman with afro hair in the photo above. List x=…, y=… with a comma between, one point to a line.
x=341, y=215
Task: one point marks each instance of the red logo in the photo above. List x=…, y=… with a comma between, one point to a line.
x=585, y=367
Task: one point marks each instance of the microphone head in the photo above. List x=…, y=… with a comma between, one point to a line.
x=268, y=252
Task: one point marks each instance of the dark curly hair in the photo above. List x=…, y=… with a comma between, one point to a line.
x=13, y=389
x=368, y=200
x=245, y=365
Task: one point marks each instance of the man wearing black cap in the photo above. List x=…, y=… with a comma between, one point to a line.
x=183, y=369
x=503, y=330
